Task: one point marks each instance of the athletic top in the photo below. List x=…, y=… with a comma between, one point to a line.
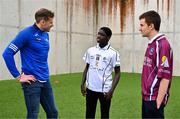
x=101, y=63
x=158, y=64
x=33, y=45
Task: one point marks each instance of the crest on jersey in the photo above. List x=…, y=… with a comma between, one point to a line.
x=97, y=60
x=97, y=57
x=165, y=62
x=151, y=51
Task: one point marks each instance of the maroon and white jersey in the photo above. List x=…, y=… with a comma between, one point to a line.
x=158, y=64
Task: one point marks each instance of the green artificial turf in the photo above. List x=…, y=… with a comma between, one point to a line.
x=126, y=102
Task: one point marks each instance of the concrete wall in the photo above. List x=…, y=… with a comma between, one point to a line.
x=77, y=22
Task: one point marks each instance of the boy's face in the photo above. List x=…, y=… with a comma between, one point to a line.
x=102, y=38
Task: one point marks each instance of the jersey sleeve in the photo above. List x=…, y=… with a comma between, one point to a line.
x=116, y=59
x=86, y=57
x=165, y=60
x=16, y=44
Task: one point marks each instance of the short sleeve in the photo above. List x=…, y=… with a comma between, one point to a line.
x=116, y=59
x=86, y=57
x=165, y=60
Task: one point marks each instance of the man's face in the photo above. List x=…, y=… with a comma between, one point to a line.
x=47, y=25
x=102, y=38
x=144, y=28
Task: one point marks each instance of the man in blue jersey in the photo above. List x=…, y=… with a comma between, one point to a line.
x=33, y=44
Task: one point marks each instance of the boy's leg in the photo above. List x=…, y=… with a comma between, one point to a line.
x=91, y=102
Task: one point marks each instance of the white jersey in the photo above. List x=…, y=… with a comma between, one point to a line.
x=101, y=64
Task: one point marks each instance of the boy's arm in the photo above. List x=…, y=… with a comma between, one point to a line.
x=114, y=83
x=83, y=87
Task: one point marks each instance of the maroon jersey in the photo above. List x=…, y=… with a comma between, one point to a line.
x=158, y=64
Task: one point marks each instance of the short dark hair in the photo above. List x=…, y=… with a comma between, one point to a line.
x=107, y=31
x=152, y=17
x=43, y=14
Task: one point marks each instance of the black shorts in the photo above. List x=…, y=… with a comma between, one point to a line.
x=149, y=110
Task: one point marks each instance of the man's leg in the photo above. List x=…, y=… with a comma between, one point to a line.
x=105, y=106
x=149, y=110
x=47, y=101
x=144, y=110
x=91, y=102
x=158, y=113
x=32, y=98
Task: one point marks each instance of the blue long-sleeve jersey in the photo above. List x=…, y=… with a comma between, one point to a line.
x=33, y=45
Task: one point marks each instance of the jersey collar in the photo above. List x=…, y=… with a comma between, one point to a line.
x=104, y=48
x=36, y=27
x=155, y=37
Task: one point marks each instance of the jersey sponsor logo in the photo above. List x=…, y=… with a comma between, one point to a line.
x=96, y=68
x=104, y=59
x=91, y=57
x=164, y=61
x=164, y=71
x=148, y=61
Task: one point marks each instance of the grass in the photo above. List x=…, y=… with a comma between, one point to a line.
x=126, y=102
